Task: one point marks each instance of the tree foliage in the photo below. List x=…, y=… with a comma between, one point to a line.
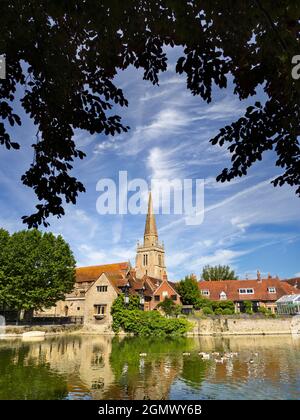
x=36, y=270
x=188, y=290
x=132, y=320
x=63, y=55
x=215, y=307
x=218, y=272
x=248, y=307
x=169, y=307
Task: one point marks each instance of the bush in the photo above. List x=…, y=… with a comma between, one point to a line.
x=227, y=311
x=169, y=307
x=218, y=311
x=211, y=307
x=207, y=311
x=219, y=307
x=145, y=323
x=248, y=307
x=263, y=310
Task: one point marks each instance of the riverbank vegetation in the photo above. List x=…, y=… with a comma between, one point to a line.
x=133, y=320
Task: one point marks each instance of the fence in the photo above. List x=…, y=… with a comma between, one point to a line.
x=11, y=318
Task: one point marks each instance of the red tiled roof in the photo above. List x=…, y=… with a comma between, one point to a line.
x=295, y=282
x=119, y=274
x=92, y=273
x=172, y=284
x=231, y=288
x=153, y=282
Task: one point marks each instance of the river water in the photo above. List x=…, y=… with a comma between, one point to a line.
x=101, y=367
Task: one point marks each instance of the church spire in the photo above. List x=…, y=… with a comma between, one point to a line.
x=150, y=256
x=150, y=234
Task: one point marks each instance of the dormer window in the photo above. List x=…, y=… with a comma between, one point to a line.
x=271, y=289
x=223, y=296
x=205, y=292
x=246, y=291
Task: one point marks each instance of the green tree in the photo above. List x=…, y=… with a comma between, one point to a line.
x=188, y=290
x=39, y=270
x=248, y=307
x=169, y=307
x=65, y=56
x=119, y=303
x=4, y=238
x=218, y=272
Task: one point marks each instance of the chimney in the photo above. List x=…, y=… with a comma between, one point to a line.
x=269, y=276
x=258, y=276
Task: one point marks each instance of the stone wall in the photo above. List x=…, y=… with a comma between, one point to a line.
x=240, y=326
x=93, y=297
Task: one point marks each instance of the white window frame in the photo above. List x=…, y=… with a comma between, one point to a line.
x=205, y=292
x=223, y=296
x=246, y=291
x=272, y=289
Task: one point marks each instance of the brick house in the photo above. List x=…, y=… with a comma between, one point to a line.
x=260, y=292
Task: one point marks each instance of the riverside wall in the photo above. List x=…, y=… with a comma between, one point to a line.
x=248, y=326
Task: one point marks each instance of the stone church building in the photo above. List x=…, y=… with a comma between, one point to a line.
x=96, y=287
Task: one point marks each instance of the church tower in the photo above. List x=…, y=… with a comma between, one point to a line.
x=150, y=256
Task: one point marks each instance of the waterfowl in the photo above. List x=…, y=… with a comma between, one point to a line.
x=204, y=355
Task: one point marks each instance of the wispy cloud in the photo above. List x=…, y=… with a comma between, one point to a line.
x=247, y=223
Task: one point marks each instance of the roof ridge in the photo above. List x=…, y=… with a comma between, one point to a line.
x=102, y=265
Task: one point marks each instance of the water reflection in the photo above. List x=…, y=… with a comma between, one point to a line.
x=101, y=367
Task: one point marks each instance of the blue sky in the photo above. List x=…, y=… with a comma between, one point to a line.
x=248, y=223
